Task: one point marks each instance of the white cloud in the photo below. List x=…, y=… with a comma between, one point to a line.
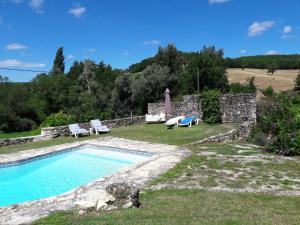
x=70, y=57
x=287, y=29
x=257, y=28
x=151, y=42
x=243, y=51
x=217, y=1
x=37, y=6
x=14, y=63
x=77, y=11
x=272, y=52
x=15, y=46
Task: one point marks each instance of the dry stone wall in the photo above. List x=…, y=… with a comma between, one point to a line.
x=235, y=108
x=64, y=130
x=191, y=105
x=53, y=132
x=238, y=108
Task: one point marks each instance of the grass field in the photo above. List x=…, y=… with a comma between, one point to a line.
x=21, y=134
x=282, y=80
x=180, y=207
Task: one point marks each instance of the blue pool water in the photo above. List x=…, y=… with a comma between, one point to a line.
x=56, y=174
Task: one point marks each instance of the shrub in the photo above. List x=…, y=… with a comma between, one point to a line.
x=278, y=120
x=297, y=83
x=58, y=119
x=268, y=92
x=257, y=137
x=90, y=115
x=249, y=87
x=24, y=124
x=211, y=106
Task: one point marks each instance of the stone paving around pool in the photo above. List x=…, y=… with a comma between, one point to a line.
x=165, y=157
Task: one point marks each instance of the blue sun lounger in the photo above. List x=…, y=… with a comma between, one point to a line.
x=188, y=121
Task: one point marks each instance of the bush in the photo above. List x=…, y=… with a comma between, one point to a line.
x=90, y=115
x=278, y=120
x=211, y=106
x=24, y=124
x=268, y=92
x=58, y=119
x=297, y=83
x=249, y=87
x=257, y=137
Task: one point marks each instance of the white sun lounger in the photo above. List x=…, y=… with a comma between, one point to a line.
x=76, y=130
x=97, y=126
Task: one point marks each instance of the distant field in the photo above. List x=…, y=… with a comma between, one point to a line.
x=282, y=80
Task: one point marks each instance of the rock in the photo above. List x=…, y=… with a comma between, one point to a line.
x=127, y=205
x=101, y=205
x=110, y=207
x=81, y=212
x=135, y=197
x=124, y=193
x=85, y=205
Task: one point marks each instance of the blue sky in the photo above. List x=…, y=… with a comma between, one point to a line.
x=125, y=32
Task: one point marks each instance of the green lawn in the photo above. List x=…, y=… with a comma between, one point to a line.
x=153, y=133
x=158, y=133
x=21, y=134
x=192, y=207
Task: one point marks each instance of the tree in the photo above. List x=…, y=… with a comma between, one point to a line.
x=122, y=96
x=151, y=84
x=209, y=65
x=88, y=75
x=297, y=83
x=59, y=62
x=169, y=57
x=272, y=68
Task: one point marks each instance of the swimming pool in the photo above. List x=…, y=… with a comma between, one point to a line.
x=54, y=174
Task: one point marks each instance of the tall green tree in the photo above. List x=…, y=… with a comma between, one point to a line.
x=206, y=69
x=59, y=62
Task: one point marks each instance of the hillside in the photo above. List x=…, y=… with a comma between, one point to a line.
x=282, y=80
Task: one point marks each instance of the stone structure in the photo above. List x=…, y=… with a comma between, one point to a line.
x=116, y=123
x=238, y=108
x=23, y=140
x=191, y=105
x=242, y=132
x=235, y=108
x=53, y=132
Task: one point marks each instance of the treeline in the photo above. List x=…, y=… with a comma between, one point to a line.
x=96, y=90
x=285, y=62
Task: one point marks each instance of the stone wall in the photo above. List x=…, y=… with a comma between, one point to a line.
x=190, y=105
x=123, y=122
x=53, y=132
x=241, y=133
x=237, y=108
x=23, y=140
